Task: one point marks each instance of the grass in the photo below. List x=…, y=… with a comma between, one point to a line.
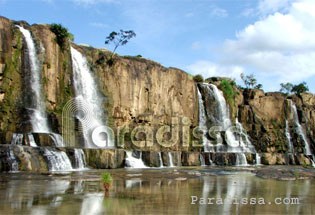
x=228, y=91
x=106, y=178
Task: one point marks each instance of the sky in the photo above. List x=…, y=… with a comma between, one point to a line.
x=272, y=39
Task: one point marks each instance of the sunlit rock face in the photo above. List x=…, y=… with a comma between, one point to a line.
x=136, y=91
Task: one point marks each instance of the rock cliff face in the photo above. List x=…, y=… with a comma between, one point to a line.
x=135, y=92
x=268, y=117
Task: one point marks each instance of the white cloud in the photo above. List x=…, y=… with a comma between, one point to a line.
x=281, y=45
x=218, y=12
x=209, y=69
x=271, y=6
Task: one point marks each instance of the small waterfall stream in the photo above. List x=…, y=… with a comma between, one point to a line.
x=170, y=157
x=288, y=136
x=208, y=147
x=57, y=160
x=299, y=130
x=89, y=99
x=258, y=159
x=79, y=157
x=134, y=162
x=38, y=117
x=241, y=159
x=161, y=161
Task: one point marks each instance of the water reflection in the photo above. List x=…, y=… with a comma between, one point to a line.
x=142, y=194
x=92, y=204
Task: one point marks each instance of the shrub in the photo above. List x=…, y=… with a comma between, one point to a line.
x=198, y=78
x=300, y=88
x=228, y=91
x=62, y=34
x=107, y=178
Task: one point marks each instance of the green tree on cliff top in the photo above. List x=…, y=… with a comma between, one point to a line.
x=119, y=38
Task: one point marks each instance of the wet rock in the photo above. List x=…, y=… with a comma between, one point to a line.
x=302, y=160
x=151, y=159
x=104, y=158
x=190, y=159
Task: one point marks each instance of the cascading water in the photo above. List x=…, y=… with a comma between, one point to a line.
x=86, y=93
x=134, y=162
x=79, y=157
x=57, y=160
x=299, y=130
x=237, y=140
x=170, y=159
x=17, y=139
x=38, y=117
x=202, y=160
x=240, y=159
x=161, y=161
x=258, y=159
x=288, y=136
x=11, y=160
x=31, y=140
x=208, y=147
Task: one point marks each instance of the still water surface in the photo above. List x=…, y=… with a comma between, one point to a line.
x=153, y=192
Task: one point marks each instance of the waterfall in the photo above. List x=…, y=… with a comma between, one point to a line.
x=12, y=161
x=57, y=160
x=17, y=139
x=235, y=138
x=133, y=162
x=161, y=161
x=202, y=160
x=31, y=140
x=208, y=147
x=38, y=117
x=57, y=139
x=93, y=204
x=299, y=130
x=258, y=159
x=240, y=159
x=87, y=97
x=170, y=158
x=79, y=158
x=288, y=136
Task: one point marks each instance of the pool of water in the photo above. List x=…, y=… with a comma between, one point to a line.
x=154, y=191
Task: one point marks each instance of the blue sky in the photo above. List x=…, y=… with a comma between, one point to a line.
x=272, y=39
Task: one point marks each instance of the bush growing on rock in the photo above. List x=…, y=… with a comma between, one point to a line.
x=62, y=34
x=228, y=91
x=198, y=78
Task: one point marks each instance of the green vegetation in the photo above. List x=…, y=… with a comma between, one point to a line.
x=307, y=166
x=106, y=178
x=118, y=39
x=300, y=88
x=198, y=78
x=250, y=82
x=288, y=88
x=62, y=34
x=228, y=91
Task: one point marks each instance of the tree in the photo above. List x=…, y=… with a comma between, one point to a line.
x=259, y=87
x=198, y=78
x=300, y=88
x=119, y=38
x=62, y=34
x=249, y=81
x=286, y=88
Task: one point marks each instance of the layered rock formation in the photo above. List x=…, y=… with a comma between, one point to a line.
x=140, y=92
